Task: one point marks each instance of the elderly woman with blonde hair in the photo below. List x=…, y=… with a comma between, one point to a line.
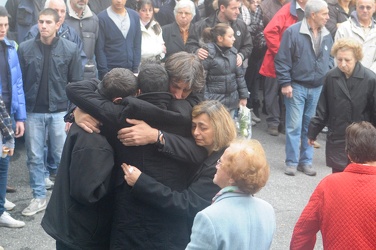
x=237, y=219
x=348, y=95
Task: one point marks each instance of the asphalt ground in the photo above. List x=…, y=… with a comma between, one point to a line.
x=288, y=195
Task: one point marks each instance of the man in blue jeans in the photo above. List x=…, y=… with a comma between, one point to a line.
x=48, y=63
x=301, y=63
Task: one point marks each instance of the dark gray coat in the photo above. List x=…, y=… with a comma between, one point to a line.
x=172, y=38
x=340, y=106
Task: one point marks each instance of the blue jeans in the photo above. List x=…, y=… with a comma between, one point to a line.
x=299, y=111
x=36, y=126
x=4, y=165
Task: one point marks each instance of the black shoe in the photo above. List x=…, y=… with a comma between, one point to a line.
x=11, y=189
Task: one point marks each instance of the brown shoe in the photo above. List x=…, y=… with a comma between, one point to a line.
x=273, y=130
x=11, y=189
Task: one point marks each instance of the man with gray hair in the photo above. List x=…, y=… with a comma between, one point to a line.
x=301, y=63
x=361, y=27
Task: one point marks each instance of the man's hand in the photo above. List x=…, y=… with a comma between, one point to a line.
x=137, y=135
x=131, y=174
x=239, y=60
x=287, y=91
x=20, y=129
x=202, y=53
x=243, y=102
x=86, y=121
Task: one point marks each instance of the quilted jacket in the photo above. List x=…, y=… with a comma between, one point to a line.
x=343, y=208
x=224, y=81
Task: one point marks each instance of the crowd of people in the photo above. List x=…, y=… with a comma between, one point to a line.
x=128, y=112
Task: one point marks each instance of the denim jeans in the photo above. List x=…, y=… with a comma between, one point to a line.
x=36, y=126
x=4, y=165
x=299, y=111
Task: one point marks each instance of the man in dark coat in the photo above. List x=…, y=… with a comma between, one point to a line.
x=228, y=12
x=79, y=211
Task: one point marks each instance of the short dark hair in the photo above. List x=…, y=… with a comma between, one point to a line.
x=49, y=12
x=186, y=67
x=152, y=77
x=4, y=12
x=361, y=142
x=225, y=3
x=119, y=82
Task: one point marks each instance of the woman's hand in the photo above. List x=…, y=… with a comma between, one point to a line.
x=243, y=102
x=131, y=174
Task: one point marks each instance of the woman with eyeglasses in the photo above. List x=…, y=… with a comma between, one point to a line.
x=213, y=129
x=237, y=219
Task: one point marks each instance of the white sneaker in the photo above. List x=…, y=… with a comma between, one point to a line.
x=254, y=117
x=49, y=183
x=36, y=205
x=8, y=205
x=7, y=221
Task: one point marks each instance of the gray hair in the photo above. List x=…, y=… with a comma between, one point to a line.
x=48, y=2
x=183, y=4
x=183, y=66
x=314, y=6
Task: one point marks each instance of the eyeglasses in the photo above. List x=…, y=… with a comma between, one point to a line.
x=362, y=7
x=219, y=163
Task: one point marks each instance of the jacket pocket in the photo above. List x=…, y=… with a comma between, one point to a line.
x=88, y=39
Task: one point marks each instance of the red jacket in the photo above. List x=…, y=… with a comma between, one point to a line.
x=273, y=32
x=343, y=208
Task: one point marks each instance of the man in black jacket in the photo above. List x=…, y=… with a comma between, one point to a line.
x=79, y=211
x=228, y=12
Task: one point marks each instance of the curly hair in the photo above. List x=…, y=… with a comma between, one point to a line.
x=247, y=165
x=348, y=44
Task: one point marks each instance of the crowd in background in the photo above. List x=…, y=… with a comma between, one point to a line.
x=153, y=89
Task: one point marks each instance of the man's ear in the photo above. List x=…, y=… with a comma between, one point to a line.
x=117, y=100
x=222, y=8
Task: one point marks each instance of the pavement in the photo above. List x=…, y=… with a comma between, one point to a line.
x=287, y=194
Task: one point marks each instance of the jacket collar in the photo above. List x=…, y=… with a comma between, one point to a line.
x=304, y=29
x=72, y=13
x=9, y=43
x=357, y=76
x=357, y=73
x=159, y=99
x=360, y=169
